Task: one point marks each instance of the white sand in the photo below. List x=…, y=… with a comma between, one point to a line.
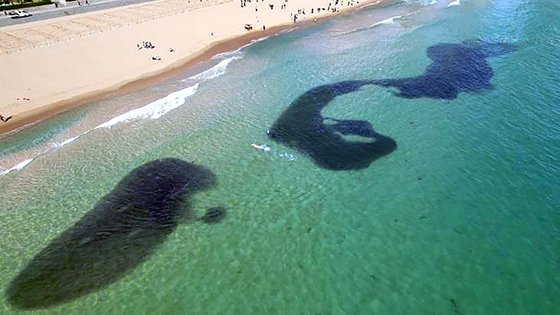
x=58, y=62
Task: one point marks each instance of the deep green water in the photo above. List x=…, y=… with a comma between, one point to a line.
x=462, y=218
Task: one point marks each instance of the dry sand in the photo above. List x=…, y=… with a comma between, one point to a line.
x=54, y=65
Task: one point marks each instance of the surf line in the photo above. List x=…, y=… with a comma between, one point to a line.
x=154, y=110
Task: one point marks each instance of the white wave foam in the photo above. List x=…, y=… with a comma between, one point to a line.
x=65, y=142
x=390, y=20
x=454, y=3
x=287, y=156
x=421, y=2
x=230, y=53
x=23, y=164
x=214, y=72
x=19, y=166
x=259, y=40
x=253, y=41
x=155, y=109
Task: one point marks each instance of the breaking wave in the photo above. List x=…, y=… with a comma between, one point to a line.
x=454, y=3
x=219, y=69
x=390, y=20
x=67, y=141
x=19, y=166
x=421, y=2
x=155, y=109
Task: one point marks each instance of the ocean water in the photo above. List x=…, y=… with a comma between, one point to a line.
x=413, y=168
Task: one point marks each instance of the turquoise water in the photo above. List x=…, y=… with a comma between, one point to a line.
x=461, y=218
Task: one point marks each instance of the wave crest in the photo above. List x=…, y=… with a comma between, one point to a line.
x=19, y=166
x=454, y=3
x=218, y=70
x=155, y=109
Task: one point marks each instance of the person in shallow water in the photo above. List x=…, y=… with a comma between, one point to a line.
x=260, y=147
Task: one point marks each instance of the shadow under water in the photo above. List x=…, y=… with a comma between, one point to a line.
x=123, y=229
x=302, y=127
x=455, y=68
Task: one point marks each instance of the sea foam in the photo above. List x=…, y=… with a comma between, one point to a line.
x=237, y=51
x=219, y=69
x=421, y=2
x=454, y=3
x=67, y=141
x=155, y=109
x=390, y=20
x=19, y=166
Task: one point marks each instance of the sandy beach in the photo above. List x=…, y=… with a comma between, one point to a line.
x=54, y=65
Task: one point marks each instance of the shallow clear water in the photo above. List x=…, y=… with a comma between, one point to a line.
x=462, y=218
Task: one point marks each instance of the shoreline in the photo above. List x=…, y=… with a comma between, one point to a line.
x=36, y=116
x=33, y=116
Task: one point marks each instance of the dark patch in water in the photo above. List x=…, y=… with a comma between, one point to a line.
x=301, y=126
x=455, y=68
x=123, y=229
x=454, y=306
x=214, y=215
